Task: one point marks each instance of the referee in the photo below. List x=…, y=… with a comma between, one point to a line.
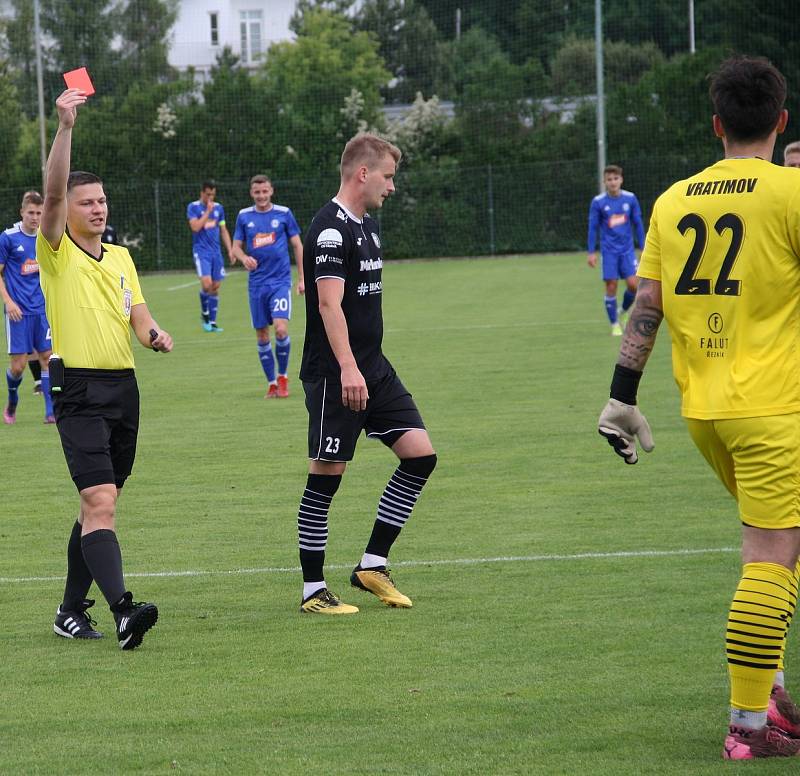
x=92, y=297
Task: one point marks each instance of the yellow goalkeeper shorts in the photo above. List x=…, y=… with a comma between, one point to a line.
x=758, y=461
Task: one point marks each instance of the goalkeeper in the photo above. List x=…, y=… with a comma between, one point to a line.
x=722, y=264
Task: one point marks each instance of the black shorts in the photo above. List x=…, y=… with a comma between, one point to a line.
x=97, y=413
x=333, y=429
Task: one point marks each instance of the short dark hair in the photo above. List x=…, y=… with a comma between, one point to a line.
x=81, y=178
x=260, y=179
x=612, y=169
x=748, y=94
x=209, y=184
x=31, y=198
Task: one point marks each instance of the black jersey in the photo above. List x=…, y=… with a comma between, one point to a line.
x=340, y=246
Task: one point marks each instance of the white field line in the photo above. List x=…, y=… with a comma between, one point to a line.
x=184, y=285
x=408, y=563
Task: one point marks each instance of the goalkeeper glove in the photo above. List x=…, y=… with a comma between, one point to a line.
x=621, y=422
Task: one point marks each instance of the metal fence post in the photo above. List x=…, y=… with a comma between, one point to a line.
x=158, y=223
x=490, y=194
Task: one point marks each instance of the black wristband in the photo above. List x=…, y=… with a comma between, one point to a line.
x=625, y=384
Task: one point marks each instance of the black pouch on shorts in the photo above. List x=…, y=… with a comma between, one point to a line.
x=56, y=368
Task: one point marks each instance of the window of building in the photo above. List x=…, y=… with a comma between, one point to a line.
x=214, y=19
x=250, y=28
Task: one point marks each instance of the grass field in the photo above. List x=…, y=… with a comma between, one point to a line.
x=569, y=611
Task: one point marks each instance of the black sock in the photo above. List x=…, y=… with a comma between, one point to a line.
x=312, y=523
x=397, y=501
x=104, y=560
x=79, y=578
x=36, y=369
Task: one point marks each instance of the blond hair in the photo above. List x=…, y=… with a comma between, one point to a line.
x=368, y=150
x=792, y=148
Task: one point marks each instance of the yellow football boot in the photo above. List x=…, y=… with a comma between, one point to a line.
x=379, y=583
x=325, y=602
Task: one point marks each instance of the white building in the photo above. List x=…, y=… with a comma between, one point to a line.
x=249, y=27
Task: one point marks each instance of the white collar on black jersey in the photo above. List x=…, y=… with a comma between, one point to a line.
x=346, y=210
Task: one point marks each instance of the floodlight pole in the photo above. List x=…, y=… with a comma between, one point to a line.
x=37, y=43
x=601, y=101
x=692, y=48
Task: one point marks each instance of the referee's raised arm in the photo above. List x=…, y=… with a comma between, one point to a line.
x=54, y=214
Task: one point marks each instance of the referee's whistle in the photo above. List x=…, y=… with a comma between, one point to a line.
x=153, y=335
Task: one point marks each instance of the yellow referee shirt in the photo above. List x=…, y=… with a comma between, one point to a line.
x=89, y=303
x=725, y=245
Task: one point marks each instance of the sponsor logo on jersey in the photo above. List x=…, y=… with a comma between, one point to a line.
x=376, y=287
x=371, y=264
x=376, y=240
x=210, y=224
x=341, y=215
x=329, y=238
x=618, y=219
x=729, y=186
x=262, y=239
x=127, y=297
x=325, y=258
x=29, y=267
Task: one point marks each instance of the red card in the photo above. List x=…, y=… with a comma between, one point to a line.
x=79, y=79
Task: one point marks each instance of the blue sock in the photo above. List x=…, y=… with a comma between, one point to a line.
x=627, y=299
x=13, y=384
x=267, y=361
x=611, y=308
x=282, y=348
x=204, y=305
x=48, y=399
x=213, y=304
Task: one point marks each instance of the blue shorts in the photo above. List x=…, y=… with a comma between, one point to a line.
x=212, y=266
x=268, y=303
x=619, y=265
x=29, y=334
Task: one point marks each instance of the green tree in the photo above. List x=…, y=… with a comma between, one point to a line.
x=22, y=55
x=309, y=80
x=495, y=102
x=573, y=69
x=11, y=117
x=144, y=26
x=409, y=44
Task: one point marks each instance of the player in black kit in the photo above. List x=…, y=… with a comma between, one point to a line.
x=349, y=384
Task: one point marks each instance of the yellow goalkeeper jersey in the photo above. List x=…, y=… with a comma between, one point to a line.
x=725, y=245
x=89, y=303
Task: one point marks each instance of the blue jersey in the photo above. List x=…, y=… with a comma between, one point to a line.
x=21, y=270
x=205, y=243
x=265, y=236
x=616, y=218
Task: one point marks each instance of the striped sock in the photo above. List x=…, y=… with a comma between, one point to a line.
x=756, y=635
x=793, y=602
x=397, y=501
x=312, y=525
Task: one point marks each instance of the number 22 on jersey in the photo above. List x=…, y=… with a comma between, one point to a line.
x=688, y=284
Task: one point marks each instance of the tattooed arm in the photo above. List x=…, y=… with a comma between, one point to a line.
x=640, y=333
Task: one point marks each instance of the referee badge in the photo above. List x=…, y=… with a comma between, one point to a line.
x=127, y=297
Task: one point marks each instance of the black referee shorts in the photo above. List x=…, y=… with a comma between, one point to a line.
x=333, y=429
x=97, y=413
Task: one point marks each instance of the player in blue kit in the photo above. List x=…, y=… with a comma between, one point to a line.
x=27, y=329
x=207, y=222
x=618, y=217
x=261, y=242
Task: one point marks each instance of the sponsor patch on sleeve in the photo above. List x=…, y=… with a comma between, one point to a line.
x=330, y=238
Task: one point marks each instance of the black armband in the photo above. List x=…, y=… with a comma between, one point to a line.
x=625, y=384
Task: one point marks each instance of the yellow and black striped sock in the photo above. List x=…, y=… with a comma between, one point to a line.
x=757, y=624
x=793, y=602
